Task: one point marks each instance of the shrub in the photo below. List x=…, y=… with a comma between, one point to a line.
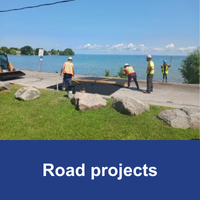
x=190, y=67
x=120, y=73
x=107, y=73
x=121, y=70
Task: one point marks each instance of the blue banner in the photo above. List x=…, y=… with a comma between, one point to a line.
x=90, y=170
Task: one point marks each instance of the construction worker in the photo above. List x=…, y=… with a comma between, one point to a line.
x=68, y=70
x=165, y=70
x=128, y=70
x=150, y=73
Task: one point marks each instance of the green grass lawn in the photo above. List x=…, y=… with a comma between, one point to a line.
x=53, y=117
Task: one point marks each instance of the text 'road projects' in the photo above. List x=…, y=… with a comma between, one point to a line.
x=113, y=171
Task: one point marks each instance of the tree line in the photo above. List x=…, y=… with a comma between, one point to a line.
x=28, y=50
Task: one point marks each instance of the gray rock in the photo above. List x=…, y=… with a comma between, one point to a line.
x=182, y=118
x=27, y=93
x=130, y=106
x=85, y=101
x=5, y=86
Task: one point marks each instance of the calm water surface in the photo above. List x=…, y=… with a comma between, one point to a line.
x=97, y=64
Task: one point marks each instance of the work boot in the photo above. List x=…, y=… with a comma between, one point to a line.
x=146, y=92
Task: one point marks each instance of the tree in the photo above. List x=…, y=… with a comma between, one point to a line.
x=36, y=51
x=68, y=52
x=5, y=49
x=27, y=50
x=54, y=52
x=13, y=52
x=15, y=48
x=45, y=53
x=190, y=68
x=61, y=53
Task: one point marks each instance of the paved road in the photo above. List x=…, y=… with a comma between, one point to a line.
x=165, y=94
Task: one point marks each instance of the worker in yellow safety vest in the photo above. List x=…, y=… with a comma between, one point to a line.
x=68, y=70
x=150, y=73
x=165, y=70
x=128, y=70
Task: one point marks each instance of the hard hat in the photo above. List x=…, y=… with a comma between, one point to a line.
x=70, y=58
x=164, y=61
x=149, y=56
x=126, y=64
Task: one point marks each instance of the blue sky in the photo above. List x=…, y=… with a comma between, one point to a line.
x=158, y=27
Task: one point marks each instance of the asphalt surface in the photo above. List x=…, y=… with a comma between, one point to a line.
x=165, y=94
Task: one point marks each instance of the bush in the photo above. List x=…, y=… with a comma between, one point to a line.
x=121, y=70
x=4, y=50
x=190, y=68
x=107, y=73
x=120, y=73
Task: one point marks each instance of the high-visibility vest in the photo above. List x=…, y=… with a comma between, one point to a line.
x=68, y=68
x=129, y=70
x=165, y=69
x=150, y=67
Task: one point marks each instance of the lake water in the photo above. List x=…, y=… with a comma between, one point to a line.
x=97, y=64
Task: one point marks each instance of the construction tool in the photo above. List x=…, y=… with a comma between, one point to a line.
x=119, y=83
x=101, y=81
x=56, y=80
x=83, y=88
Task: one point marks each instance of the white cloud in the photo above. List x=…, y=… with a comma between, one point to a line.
x=170, y=46
x=157, y=49
x=89, y=46
x=141, y=47
x=188, y=49
x=123, y=47
x=132, y=48
x=119, y=47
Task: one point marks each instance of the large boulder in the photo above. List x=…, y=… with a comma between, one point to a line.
x=5, y=86
x=182, y=118
x=27, y=93
x=86, y=101
x=130, y=106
